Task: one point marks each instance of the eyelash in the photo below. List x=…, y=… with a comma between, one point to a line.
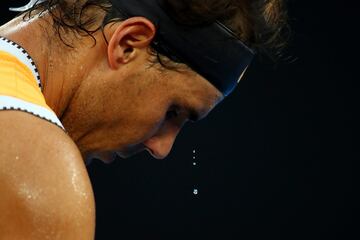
x=173, y=112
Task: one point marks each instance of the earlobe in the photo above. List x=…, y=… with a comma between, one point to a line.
x=114, y=50
x=127, y=39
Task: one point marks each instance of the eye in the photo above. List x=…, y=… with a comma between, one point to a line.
x=173, y=112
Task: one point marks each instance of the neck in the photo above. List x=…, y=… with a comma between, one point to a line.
x=61, y=67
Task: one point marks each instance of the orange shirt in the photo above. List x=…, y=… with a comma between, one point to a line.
x=20, y=87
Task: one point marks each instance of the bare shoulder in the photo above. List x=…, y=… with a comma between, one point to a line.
x=44, y=186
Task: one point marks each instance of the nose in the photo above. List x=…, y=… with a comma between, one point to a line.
x=159, y=145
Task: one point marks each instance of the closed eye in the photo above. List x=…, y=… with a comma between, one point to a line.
x=173, y=112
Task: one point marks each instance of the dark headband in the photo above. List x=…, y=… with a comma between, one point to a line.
x=213, y=51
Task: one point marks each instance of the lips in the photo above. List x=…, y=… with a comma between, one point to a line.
x=130, y=151
x=106, y=157
x=110, y=156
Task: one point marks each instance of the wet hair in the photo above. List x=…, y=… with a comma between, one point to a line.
x=261, y=24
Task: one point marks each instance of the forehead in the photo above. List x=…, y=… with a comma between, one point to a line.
x=198, y=93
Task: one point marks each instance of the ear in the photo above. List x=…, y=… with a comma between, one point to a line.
x=127, y=38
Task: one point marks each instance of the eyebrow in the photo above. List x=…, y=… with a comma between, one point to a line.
x=193, y=115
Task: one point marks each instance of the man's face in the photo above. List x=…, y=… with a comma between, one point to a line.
x=136, y=106
x=144, y=111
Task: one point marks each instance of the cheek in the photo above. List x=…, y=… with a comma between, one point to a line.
x=139, y=111
x=140, y=123
x=149, y=121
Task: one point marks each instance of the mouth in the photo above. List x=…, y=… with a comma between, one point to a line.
x=130, y=151
x=106, y=157
x=110, y=156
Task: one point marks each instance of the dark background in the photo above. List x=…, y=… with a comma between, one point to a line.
x=277, y=159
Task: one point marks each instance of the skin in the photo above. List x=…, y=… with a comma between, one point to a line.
x=106, y=98
x=110, y=99
x=44, y=187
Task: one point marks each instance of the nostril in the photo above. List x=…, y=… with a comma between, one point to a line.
x=149, y=150
x=155, y=154
x=160, y=146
